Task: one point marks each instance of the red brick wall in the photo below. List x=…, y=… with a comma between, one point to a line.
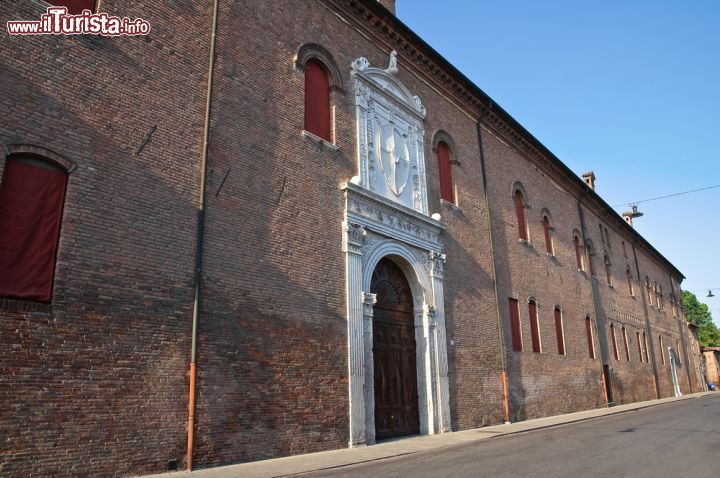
x=97, y=384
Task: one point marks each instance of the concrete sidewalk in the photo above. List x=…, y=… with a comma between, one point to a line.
x=348, y=456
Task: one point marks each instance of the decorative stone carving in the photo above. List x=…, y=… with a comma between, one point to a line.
x=390, y=135
x=354, y=237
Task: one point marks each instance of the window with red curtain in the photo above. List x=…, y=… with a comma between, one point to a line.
x=443, y=159
x=548, y=238
x=588, y=331
x=520, y=212
x=317, y=100
x=578, y=253
x=75, y=7
x=559, y=331
x=515, y=324
x=534, y=326
x=614, y=342
x=627, y=346
x=32, y=195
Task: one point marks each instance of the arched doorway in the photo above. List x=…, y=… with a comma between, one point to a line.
x=394, y=356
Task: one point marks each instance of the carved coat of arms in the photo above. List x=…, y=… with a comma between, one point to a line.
x=394, y=158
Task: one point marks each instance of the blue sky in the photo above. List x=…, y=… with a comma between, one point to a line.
x=630, y=90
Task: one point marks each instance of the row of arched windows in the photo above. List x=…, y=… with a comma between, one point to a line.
x=654, y=294
x=534, y=321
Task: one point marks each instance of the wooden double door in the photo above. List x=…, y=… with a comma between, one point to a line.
x=394, y=354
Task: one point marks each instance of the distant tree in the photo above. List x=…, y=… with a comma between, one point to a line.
x=698, y=314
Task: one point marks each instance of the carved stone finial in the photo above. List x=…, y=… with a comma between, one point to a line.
x=392, y=66
x=360, y=64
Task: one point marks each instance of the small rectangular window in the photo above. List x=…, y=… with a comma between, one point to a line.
x=559, y=332
x=534, y=327
x=588, y=330
x=627, y=347
x=614, y=342
x=662, y=353
x=515, y=324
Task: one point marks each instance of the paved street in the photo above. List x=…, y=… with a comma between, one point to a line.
x=679, y=439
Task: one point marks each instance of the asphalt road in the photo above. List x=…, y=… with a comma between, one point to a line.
x=680, y=439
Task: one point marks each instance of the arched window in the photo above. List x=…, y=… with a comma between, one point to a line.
x=317, y=99
x=520, y=212
x=647, y=356
x=625, y=343
x=657, y=297
x=649, y=290
x=640, y=350
x=559, y=331
x=444, y=160
x=628, y=273
x=614, y=342
x=75, y=7
x=589, y=332
x=534, y=326
x=608, y=274
x=32, y=196
x=662, y=353
x=590, y=259
x=548, y=236
x=578, y=253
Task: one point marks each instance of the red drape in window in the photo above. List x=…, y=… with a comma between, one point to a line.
x=559, y=332
x=443, y=158
x=31, y=204
x=317, y=100
x=588, y=331
x=520, y=211
x=515, y=325
x=534, y=332
x=75, y=6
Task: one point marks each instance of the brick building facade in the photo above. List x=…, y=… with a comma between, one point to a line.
x=516, y=288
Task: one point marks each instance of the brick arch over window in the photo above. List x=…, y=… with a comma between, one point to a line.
x=590, y=254
x=318, y=53
x=520, y=201
x=32, y=198
x=577, y=245
x=548, y=230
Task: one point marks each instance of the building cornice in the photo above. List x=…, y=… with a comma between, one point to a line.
x=386, y=29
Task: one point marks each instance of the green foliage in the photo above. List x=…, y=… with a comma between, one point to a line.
x=698, y=314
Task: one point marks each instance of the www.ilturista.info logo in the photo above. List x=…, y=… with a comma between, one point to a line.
x=57, y=21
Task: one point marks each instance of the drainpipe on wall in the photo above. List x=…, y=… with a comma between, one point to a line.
x=600, y=331
x=494, y=274
x=199, y=242
x=647, y=320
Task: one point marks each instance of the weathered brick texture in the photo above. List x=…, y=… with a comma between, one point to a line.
x=96, y=383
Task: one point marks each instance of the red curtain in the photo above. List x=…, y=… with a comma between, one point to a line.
x=446, y=187
x=31, y=204
x=548, y=240
x=515, y=324
x=317, y=100
x=520, y=212
x=534, y=332
x=75, y=7
x=559, y=332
